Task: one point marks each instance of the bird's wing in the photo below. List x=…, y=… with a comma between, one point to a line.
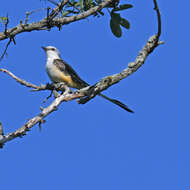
x=69, y=71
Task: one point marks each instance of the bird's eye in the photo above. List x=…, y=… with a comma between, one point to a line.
x=53, y=49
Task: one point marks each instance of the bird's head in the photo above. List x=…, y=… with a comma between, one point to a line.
x=51, y=52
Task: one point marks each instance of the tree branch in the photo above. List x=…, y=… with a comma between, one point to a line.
x=38, y=118
x=21, y=81
x=5, y=51
x=56, y=22
x=57, y=86
x=87, y=93
x=56, y=11
x=108, y=81
x=158, y=17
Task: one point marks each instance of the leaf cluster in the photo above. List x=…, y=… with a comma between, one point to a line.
x=117, y=21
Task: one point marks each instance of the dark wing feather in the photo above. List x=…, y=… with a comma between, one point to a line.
x=68, y=70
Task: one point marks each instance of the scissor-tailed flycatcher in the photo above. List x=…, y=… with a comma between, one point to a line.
x=59, y=71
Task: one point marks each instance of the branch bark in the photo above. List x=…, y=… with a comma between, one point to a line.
x=57, y=22
x=87, y=93
x=38, y=118
x=149, y=47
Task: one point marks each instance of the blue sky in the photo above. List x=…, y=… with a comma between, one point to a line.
x=98, y=145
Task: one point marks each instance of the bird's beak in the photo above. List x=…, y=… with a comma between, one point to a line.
x=44, y=48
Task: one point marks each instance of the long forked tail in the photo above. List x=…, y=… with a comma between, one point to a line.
x=120, y=104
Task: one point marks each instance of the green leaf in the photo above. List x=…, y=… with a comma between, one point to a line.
x=125, y=23
x=115, y=28
x=115, y=24
x=116, y=17
x=123, y=7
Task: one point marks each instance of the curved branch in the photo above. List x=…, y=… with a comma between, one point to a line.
x=108, y=81
x=38, y=118
x=87, y=93
x=54, y=86
x=158, y=17
x=55, y=22
x=21, y=81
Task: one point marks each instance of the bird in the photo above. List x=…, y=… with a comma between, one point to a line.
x=60, y=71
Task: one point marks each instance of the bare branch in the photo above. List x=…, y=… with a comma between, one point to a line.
x=21, y=81
x=11, y=38
x=87, y=93
x=57, y=86
x=38, y=119
x=56, y=22
x=32, y=12
x=5, y=51
x=108, y=81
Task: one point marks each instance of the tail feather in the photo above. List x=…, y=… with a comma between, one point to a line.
x=120, y=104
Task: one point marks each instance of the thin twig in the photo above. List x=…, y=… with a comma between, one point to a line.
x=53, y=2
x=56, y=21
x=6, y=25
x=56, y=11
x=159, y=18
x=106, y=82
x=45, y=100
x=10, y=39
x=1, y=129
x=38, y=119
x=27, y=18
x=5, y=51
x=88, y=92
x=56, y=86
x=72, y=5
x=21, y=81
x=31, y=12
x=48, y=20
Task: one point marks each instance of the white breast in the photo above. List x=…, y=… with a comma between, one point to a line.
x=52, y=71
